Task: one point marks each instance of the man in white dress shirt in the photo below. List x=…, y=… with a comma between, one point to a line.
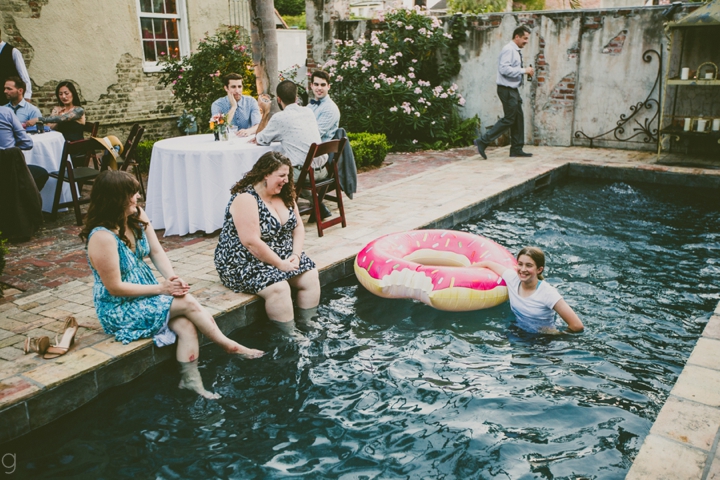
x=13, y=65
x=296, y=129
x=509, y=79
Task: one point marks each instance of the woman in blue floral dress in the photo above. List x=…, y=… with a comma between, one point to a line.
x=260, y=249
x=129, y=301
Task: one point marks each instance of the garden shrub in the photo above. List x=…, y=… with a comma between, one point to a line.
x=290, y=7
x=143, y=154
x=398, y=82
x=370, y=149
x=299, y=21
x=196, y=80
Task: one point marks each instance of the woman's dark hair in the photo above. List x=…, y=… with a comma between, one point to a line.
x=70, y=86
x=109, y=199
x=268, y=163
x=537, y=256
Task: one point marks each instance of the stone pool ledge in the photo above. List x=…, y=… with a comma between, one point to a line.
x=34, y=392
x=683, y=441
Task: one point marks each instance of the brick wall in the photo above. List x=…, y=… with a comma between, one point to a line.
x=135, y=98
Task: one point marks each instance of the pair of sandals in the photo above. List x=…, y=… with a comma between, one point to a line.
x=41, y=345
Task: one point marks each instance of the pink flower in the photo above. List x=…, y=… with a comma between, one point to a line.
x=376, y=85
x=393, y=109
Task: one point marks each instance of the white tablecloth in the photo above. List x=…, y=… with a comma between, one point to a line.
x=190, y=179
x=46, y=152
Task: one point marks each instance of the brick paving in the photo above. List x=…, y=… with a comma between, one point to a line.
x=56, y=256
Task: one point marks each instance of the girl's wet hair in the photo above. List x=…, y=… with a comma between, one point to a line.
x=537, y=256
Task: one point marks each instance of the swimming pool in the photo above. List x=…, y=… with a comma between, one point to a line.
x=394, y=389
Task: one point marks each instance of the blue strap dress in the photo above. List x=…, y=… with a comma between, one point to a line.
x=132, y=318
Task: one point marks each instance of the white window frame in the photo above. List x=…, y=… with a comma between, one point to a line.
x=183, y=32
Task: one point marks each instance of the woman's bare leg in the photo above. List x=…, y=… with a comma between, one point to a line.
x=308, y=289
x=188, y=307
x=188, y=351
x=278, y=302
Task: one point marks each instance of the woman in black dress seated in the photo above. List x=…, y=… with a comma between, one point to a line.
x=68, y=117
x=260, y=249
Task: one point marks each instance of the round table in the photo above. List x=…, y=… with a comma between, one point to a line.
x=190, y=179
x=47, y=152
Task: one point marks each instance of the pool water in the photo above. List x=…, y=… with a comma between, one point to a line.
x=394, y=389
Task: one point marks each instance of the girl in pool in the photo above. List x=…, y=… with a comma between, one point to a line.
x=533, y=301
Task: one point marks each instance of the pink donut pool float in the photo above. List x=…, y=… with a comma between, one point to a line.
x=433, y=267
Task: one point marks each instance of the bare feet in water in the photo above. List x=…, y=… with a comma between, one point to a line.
x=199, y=389
x=246, y=353
x=190, y=379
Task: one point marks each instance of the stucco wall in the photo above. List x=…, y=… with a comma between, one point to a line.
x=590, y=71
x=292, y=48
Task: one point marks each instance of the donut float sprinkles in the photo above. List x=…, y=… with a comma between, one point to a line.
x=433, y=267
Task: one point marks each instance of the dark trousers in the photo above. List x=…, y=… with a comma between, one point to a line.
x=513, y=119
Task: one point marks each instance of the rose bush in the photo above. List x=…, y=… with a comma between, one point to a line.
x=397, y=82
x=196, y=80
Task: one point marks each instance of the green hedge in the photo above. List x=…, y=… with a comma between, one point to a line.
x=369, y=149
x=143, y=154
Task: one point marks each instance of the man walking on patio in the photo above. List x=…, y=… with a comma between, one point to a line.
x=509, y=80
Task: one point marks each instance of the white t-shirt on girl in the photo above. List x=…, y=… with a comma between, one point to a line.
x=536, y=311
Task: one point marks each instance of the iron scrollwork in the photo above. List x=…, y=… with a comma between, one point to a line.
x=645, y=129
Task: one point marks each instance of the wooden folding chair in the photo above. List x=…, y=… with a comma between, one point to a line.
x=129, y=155
x=320, y=189
x=92, y=128
x=76, y=176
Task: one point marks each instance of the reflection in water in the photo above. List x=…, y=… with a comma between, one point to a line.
x=394, y=389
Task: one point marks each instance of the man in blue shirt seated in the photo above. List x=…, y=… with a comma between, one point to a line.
x=325, y=110
x=26, y=112
x=12, y=134
x=242, y=110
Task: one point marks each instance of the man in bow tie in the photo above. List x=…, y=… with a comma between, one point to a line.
x=325, y=110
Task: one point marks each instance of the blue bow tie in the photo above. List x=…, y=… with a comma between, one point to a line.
x=314, y=102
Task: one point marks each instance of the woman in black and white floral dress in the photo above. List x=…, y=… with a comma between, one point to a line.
x=260, y=249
